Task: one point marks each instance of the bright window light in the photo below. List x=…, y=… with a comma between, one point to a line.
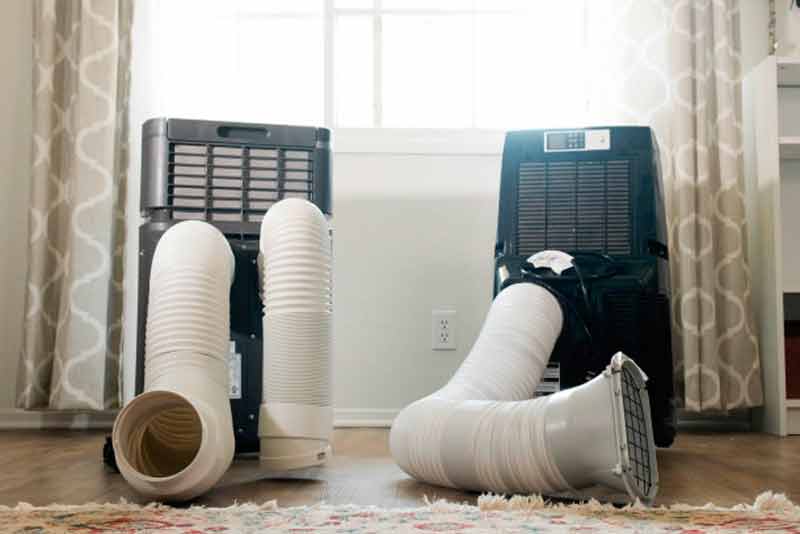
x=353, y=72
x=428, y=74
x=494, y=64
x=280, y=67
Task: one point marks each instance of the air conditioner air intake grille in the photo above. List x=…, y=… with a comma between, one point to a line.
x=234, y=183
x=574, y=205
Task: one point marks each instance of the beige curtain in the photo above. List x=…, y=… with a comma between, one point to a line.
x=712, y=310
x=674, y=65
x=71, y=344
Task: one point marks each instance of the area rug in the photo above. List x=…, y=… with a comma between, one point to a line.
x=771, y=513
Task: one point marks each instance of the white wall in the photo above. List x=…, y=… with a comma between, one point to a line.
x=15, y=137
x=754, y=20
x=787, y=29
x=411, y=233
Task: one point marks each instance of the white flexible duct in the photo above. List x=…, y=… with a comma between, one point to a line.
x=175, y=440
x=296, y=417
x=483, y=432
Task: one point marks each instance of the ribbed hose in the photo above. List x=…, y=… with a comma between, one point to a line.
x=174, y=441
x=483, y=431
x=478, y=432
x=296, y=416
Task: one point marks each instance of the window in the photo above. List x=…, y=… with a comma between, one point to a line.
x=459, y=64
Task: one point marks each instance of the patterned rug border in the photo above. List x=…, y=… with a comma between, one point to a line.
x=770, y=502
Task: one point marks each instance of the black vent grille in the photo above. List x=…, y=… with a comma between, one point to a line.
x=622, y=312
x=234, y=183
x=574, y=205
x=637, y=432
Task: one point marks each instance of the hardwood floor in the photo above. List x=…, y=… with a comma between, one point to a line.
x=42, y=467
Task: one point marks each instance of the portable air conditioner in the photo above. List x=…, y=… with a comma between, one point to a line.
x=594, y=193
x=229, y=175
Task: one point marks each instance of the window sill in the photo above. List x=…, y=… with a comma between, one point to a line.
x=418, y=141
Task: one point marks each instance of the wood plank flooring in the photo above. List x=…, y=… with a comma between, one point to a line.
x=42, y=467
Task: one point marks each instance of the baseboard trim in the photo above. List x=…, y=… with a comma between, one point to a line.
x=714, y=425
x=353, y=418
x=14, y=419
x=737, y=421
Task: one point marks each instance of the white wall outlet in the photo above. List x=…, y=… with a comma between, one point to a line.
x=443, y=330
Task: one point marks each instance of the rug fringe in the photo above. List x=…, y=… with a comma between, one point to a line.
x=775, y=502
x=124, y=506
x=491, y=502
x=768, y=501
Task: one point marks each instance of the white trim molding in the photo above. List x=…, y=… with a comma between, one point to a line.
x=418, y=141
x=14, y=419
x=355, y=417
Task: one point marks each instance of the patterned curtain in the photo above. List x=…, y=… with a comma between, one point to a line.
x=71, y=344
x=674, y=65
x=720, y=362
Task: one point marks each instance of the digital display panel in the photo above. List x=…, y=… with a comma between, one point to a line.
x=577, y=140
x=557, y=141
x=574, y=140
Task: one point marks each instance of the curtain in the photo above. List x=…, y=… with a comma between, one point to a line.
x=71, y=342
x=674, y=65
x=712, y=310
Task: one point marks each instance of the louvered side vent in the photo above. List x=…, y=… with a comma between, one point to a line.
x=591, y=206
x=532, y=208
x=574, y=205
x=622, y=311
x=234, y=183
x=562, y=214
x=618, y=218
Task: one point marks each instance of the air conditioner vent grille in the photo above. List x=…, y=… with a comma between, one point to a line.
x=215, y=182
x=574, y=205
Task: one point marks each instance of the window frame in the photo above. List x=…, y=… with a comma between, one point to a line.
x=331, y=15
x=377, y=138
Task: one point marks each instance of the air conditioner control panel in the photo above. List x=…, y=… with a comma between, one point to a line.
x=577, y=140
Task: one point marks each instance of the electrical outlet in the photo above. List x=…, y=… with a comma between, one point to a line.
x=443, y=330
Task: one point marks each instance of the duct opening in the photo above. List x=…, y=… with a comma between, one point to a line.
x=164, y=433
x=175, y=441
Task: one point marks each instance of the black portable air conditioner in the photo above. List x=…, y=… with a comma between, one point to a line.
x=596, y=194
x=227, y=174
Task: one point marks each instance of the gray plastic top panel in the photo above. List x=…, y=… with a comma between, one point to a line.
x=229, y=173
x=265, y=135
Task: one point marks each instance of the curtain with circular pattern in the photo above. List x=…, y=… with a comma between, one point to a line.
x=73, y=310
